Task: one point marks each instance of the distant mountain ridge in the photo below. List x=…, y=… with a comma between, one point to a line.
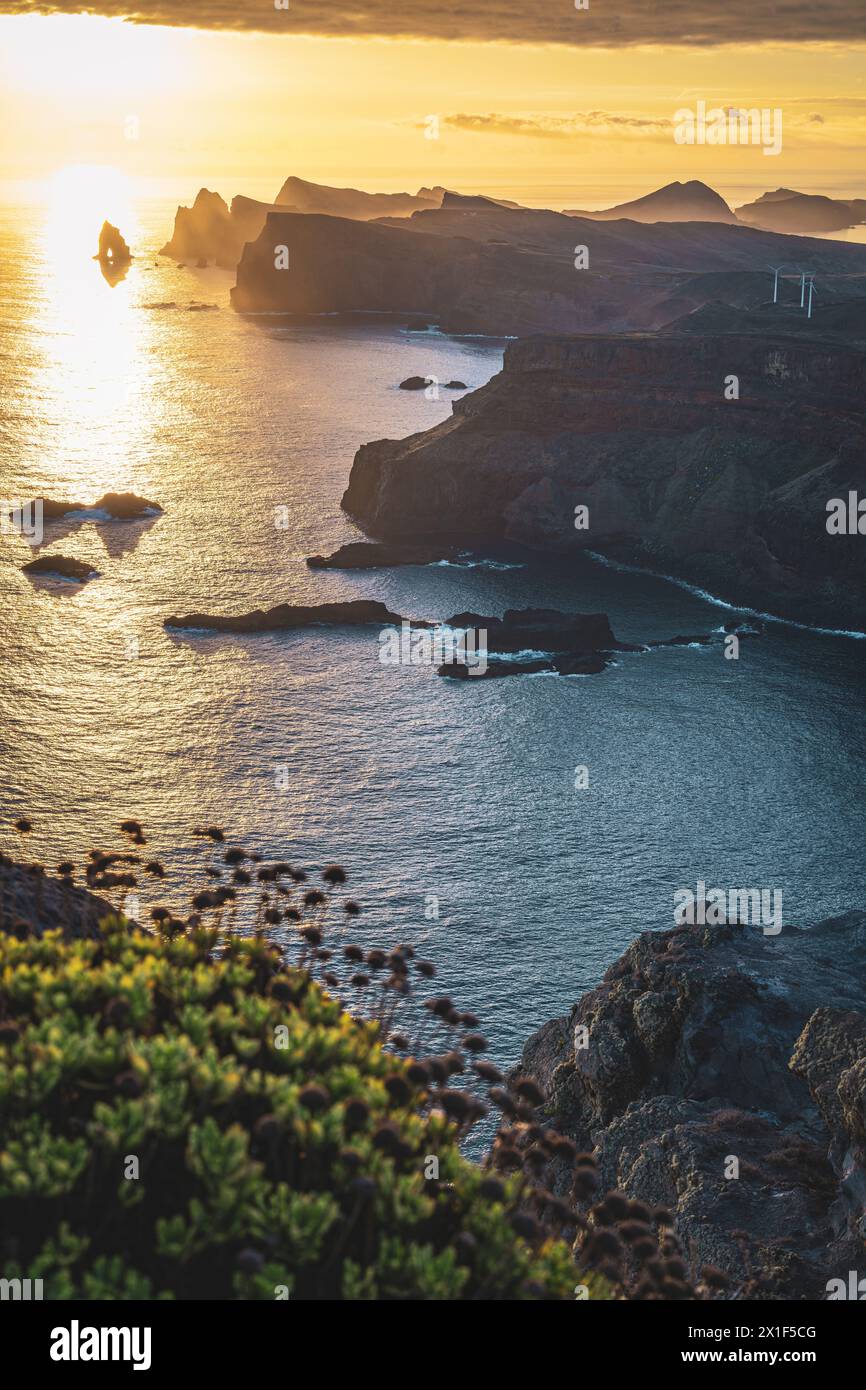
x=511, y=272
x=676, y=202
x=785, y=210
x=210, y=230
x=300, y=195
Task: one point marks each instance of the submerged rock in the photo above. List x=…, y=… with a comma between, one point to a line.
x=680, y=1061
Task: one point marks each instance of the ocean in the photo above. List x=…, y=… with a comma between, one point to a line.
x=453, y=806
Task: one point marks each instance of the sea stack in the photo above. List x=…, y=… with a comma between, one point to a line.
x=113, y=250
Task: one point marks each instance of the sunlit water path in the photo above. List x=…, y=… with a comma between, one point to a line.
x=738, y=773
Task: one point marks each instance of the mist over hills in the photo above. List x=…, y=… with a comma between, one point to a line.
x=211, y=230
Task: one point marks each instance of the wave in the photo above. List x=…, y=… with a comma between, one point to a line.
x=469, y=564
x=696, y=589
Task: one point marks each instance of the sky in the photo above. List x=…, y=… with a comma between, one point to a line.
x=541, y=101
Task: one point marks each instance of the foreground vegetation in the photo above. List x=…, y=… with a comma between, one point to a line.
x=188, y=1112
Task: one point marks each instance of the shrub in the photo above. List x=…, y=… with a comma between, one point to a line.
x=280, y=1150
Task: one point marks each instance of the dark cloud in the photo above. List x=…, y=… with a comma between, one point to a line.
x=557, y=126
x=606, y=22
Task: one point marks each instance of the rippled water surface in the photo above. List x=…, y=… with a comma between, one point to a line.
x=740, y=773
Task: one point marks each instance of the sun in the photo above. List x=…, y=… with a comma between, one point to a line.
x=80, y=198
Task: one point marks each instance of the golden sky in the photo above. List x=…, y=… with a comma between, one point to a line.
x=237, y=109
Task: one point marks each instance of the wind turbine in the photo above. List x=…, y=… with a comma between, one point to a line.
x=812, y=291
x=803, y=275
x=776, y=269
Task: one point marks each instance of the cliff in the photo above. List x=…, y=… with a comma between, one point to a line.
x=704, y=1045
x=729, y=494
x=209, y=230
x=512, y=272
x=212, y=231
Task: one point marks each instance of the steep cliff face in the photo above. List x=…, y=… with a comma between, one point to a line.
x=466, y=285
x=729, y=493
x=475, y=267
x=210, y=231
x=709, y=1077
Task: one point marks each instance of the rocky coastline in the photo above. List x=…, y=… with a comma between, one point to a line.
x=709, y=456
x=721, y=1072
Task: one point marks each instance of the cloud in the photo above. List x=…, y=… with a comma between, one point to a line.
x=613, y=23
x=557, y=126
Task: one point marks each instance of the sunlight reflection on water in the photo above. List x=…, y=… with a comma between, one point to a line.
x=745, y=776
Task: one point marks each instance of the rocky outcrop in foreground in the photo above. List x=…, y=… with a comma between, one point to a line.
x=675, y=472
x=31, y=902
x=722, y=1073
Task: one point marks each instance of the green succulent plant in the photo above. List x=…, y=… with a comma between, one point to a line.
x=187, y=1117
